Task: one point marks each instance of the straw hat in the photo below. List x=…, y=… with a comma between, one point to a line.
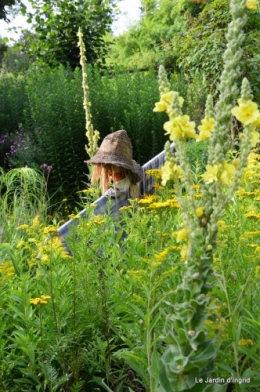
x=116, y=149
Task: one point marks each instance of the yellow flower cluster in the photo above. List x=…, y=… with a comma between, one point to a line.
x=245, y=342
x=148, y=199
x=88, y=191
x=7, y=269
x=171, y=203
x=50, y=230
x=22, y=227
x=74, y=216
x=180, y=127
x=166, y=102
x=251, y=233
x=43, y=300
x=223, y=173
x=157, y=186
x=252, y=215
x=155, y=173
x=160, y=257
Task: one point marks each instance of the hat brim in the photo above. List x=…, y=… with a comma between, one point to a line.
x=120, y=161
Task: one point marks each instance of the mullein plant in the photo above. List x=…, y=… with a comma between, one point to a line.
x=92, y=135
x=189, y=355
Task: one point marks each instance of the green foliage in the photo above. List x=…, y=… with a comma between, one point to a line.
x=125, y=101
x=188, y=36
x=198, y=155
x=201, y=49
x=12, y=102
x=14, y=60
x=56, y=119
x=56, y=25
x=100, y=326
x=154, y=39
x=6, y=7
x=3, y=49
x=49, y=105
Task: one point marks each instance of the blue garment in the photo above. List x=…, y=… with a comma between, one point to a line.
x=119, y=200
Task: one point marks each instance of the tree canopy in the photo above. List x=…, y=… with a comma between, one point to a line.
x=56, y=24
x=6, y=8
x=186, y=36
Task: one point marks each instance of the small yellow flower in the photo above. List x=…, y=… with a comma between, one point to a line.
x=36, y=221
x=221, y=222
x=246, y=112
x=169, y=170
x=22, y=227
x=160, y=107
x=32, y=240
x=124, y=208
x=199, y=212
x=184, y=252
x=45, y=297
x=227, y=173
x=168, y=98
x=205, y=129
x=182, y=235
x=49, y=230
x=7, y=269
x=160, y=257
x=224, y=173
x=250, y=233
x=45, y=258
x=73, y=216
x=255, y=139
x=257, y=271
x=251, y=4
x=252, y=215
x=35, y=301
x=158, y=187
x=42, y=300
x=20, y=244
x=256, y=122
x=245, y=342
x=210, y=174
x=155, y=173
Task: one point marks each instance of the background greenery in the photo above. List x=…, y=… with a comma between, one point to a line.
x=100, y=327
x=41, y=113
x=42, y=118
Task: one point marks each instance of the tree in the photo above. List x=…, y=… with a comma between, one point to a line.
x=3, y=49
x=56, y=24
x=7, y=3
x=152, y=41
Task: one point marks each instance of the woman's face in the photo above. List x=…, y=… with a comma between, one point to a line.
x=116, y=173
